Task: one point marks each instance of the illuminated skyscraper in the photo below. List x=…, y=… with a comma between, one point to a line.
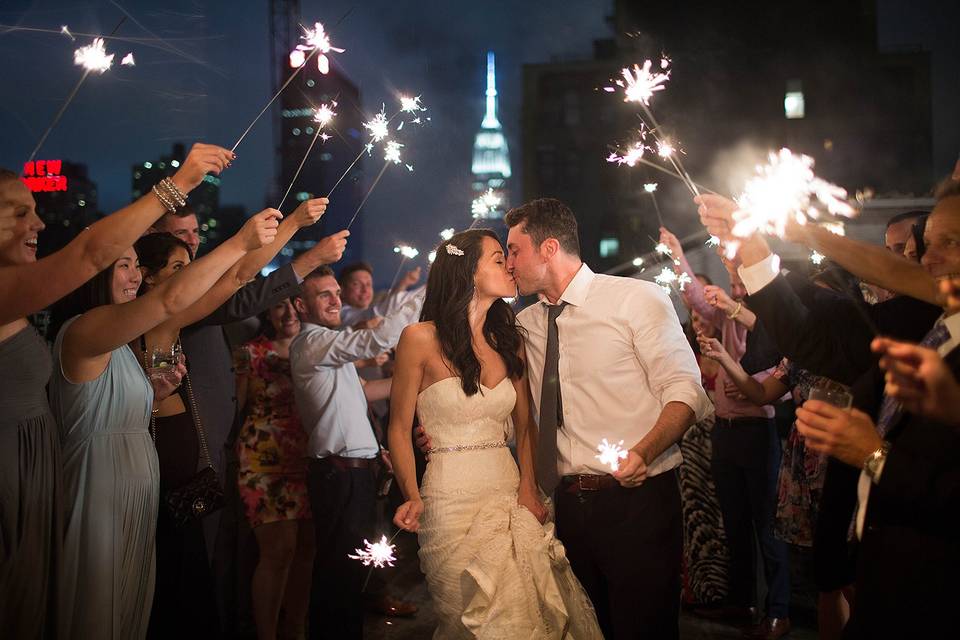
x=491, y=157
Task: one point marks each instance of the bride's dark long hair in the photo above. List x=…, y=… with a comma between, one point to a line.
x=450, y=289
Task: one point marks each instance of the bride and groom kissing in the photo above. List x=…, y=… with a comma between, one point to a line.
x=598, y=357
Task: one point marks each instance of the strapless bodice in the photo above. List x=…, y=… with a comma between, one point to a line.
x=454, y=419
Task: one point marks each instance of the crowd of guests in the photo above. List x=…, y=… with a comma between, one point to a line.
x=146, y=449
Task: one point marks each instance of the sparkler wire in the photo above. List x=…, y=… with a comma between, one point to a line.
x=273, y=99
x=364, y=201
x=302, y=162
x=63, y=108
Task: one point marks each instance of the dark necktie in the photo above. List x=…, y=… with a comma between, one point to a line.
x=551, y=406
x=891, y=409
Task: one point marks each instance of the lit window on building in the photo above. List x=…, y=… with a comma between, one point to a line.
x=148, y=165
x=609, y=247
x=303, y=196
x=311, y=82
x=174, y=163
x=793, y=105
x=326, y=157
x=309, y=130
x=296, y=131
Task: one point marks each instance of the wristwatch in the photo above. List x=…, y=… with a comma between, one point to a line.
x=874, y=462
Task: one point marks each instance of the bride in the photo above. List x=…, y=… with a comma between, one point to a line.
x=493, y=566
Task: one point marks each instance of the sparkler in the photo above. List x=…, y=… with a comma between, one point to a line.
x=651, y=188
x=431, y=256
x=712, y=241
x=408, y=253
x=322, y=116
x=632, y=155
x=377, y=555
x=817, y=258
x=640, y=84
x=484, y=206
x=411, y=105
x=316, y=42
x=446, y=234
x=663, y=249
x=785, y=190
x=378, y=126
x=611, y=454
x=392, y=152
x=128, y=60
x=92, y=57
x=65, y=30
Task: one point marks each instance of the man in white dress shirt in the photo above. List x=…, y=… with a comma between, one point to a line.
x=359, y=309
x=607, y=359
x=342, y=448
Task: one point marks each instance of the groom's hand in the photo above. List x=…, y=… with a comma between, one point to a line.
x=422, y=441
x=633, y=472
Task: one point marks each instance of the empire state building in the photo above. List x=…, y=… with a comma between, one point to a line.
x=491, y=157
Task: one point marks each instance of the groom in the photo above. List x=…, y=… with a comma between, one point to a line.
x=607, y=359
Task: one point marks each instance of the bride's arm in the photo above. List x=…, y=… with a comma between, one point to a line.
x=526, y=435
x=407, y=377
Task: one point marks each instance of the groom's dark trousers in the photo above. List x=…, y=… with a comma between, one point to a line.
x=625, y=547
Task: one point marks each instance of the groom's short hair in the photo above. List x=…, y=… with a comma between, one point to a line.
x=547, y=218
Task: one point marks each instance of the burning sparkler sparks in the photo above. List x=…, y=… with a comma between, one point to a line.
x=93, y=57
x=128, y=60
x=666, y=279
x=431, y=256
x=712, y=241
x=631, y=157
x=377, y=126
x=486, y=204
x=392, y=152
x=65, y=30
x=665, y=149
x=317, y=41
x=376, y=554
x=411, y=105
x=817, y=258
x=650, y=187
x=611, y=454
x=325, y=114
x=640, y=84
x=446, y=234
x=786, y=189
x=406, y=251
x=663, y=249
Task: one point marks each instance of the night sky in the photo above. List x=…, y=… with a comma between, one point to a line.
x=220, y=79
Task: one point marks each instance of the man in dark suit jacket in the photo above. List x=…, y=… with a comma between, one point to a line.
x=909, y=489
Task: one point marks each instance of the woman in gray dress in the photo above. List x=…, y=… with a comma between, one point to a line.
x=102, y=400
x=30, y=499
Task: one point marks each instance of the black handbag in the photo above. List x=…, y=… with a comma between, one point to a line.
x=202, y=494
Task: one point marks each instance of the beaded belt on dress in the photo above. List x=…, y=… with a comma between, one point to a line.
x=469, y=447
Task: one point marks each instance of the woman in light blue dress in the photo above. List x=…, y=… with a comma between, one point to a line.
x=102, y=400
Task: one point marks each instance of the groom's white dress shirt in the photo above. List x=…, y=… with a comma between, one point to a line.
x=623, y=357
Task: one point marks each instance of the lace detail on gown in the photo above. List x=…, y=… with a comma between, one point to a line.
x=493, y=570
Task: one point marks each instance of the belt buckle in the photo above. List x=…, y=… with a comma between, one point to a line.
x=592, y=483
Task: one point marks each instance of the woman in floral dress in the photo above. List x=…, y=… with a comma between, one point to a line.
x=271, y=449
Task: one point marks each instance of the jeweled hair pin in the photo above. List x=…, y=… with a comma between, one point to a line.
x=454, y=250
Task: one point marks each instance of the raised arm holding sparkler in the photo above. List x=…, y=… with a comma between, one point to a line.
x=28, y=285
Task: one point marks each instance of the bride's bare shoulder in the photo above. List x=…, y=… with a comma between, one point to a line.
x=420, y=335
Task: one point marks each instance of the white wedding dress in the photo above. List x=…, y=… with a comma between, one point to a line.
x=493, y=570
